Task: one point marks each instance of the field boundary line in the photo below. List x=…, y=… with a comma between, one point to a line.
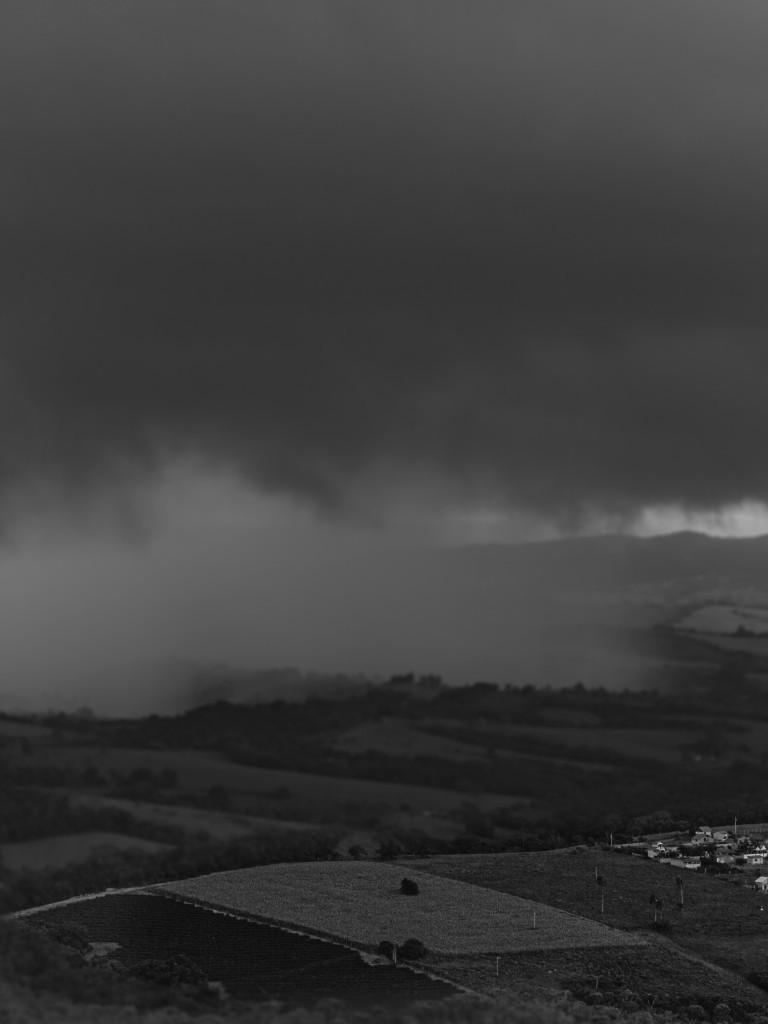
x=29, y=911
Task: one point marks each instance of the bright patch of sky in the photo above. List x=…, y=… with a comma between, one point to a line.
x=745, y=519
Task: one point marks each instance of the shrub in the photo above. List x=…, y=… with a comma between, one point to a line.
x=408, y=887
x=759, y=978
x=412, y=949
x=695, y=1011
x=176, y=970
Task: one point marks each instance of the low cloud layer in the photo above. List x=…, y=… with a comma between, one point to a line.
x=518, y=248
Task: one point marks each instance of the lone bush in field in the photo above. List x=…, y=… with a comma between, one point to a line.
x=412, y=949
x=387, y=949
x=176, y=970
x=408, y=887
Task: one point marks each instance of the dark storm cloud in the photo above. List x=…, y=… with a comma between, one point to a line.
x=518, y=245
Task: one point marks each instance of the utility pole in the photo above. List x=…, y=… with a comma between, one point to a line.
x=602, y=882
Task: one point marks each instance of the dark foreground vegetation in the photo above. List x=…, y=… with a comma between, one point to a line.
x=407, y=769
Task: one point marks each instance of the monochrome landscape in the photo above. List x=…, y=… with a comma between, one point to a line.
x=383, y=512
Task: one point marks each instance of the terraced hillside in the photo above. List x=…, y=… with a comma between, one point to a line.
x=361, y=903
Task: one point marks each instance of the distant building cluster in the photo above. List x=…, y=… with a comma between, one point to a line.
x=741, y=850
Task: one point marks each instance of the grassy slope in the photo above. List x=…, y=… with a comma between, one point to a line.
x=58, y=851
x=198, y=771
x=720, y=921
x=221, y=824
x=655, y=975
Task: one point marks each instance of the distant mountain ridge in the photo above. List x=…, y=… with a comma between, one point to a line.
x=638, y=558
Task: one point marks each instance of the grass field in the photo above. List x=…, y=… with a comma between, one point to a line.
x=720, y=921
x=361, y=903
x=219, y=824
x=655, y=975
x=57, y=851
x=198, y=771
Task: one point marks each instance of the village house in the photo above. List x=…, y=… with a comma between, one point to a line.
x=691, y=863
x=726, y=847
x=702, y=838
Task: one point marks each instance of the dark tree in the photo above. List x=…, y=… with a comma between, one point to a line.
x=412, y=949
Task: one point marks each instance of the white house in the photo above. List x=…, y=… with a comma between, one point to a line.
x=689, y=863
x=702, y=838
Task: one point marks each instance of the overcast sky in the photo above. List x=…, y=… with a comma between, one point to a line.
x=435, y=270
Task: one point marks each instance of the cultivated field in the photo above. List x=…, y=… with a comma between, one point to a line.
x=719, y=920
x=57, y=851
x=361, y=903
